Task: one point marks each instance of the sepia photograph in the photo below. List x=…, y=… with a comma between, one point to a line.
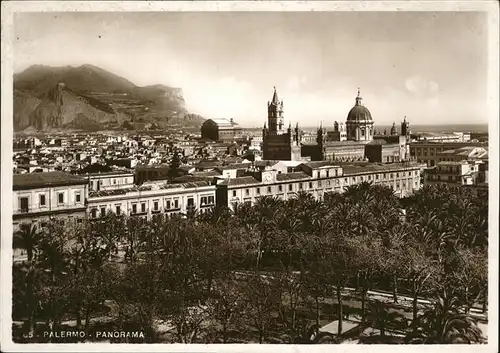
x=229, y=176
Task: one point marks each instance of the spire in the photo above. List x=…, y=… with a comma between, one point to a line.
x=358, y=98
x=275, y=97
x=404, y=121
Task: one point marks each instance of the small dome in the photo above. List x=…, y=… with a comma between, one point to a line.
x=358, y=113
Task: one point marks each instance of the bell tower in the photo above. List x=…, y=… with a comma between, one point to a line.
x=275, y=116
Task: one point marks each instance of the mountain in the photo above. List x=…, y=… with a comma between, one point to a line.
x=87, y=96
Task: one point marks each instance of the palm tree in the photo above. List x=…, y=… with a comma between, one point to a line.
x=28, y=238
x=444, y=323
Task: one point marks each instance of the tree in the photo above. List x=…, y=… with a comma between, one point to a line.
x=382, y=318
x=260, y=301
x=175, y=164
x=224, y=306
x=28, y=238
x=445, y=324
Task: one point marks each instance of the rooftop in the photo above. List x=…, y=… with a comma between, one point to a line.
x=47, y=179
x=291, y=176
x=376, y=167
x=246, y=180
x=320, y=164
x=150, y=187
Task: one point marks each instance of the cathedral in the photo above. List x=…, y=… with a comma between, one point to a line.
x=348, y=142
x=278, y=143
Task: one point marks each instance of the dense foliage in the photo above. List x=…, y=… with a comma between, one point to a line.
x=272, y=272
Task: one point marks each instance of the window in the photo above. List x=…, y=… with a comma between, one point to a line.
x=143, y=207
x=211, y=200
x=93, y=213
x=114, y=181
x=300, y=186
x=103, y=211
x=269, y=190
x=134, y=208
x=377, y=176
x=310, y=185
x=190, y=202
x=176, y=203
x=234, y=193
x=78, y=197
x=290, y=187
x=60, y=197
x=258, y=191
x=319, y=183
x=155, y=205
x=327, y=173
x=280, y=188
x=336, y=172
x=42, y=200
x=247, y=192
x=118, y=210
x=23, y=201
x=169, y=206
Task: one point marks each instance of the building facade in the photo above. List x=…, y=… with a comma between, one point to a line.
x=110, y=180
x=39, y=197
x=221, y=130
x=146, y=201
x=428, y=152
x=317, y=178
x=279, y=143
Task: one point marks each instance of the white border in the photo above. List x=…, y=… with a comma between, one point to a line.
x=9, y=8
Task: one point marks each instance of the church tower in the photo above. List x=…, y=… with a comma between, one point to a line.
x=275, y=116
x=278, y=142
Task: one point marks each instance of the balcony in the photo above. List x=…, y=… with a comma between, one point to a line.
x=48, y=210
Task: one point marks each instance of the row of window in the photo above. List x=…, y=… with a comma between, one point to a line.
x=42, y=200
x=400, y=185
x=139, y=208
x=310, y=184
x=300, y=186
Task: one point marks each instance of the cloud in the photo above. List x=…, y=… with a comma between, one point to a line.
x=222, y=98
x=421, y=86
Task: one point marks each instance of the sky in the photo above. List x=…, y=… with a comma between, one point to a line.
x=428, y=66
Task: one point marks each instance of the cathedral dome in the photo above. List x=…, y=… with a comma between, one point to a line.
x=359, y=112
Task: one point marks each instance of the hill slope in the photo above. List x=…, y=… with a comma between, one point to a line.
x=53, y=97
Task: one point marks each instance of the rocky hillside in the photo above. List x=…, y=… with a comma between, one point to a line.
x=85, y=97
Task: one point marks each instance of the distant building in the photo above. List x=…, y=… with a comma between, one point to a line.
x=428, y=152
x=39, y=197
x=354, y=140
x=220, y=130
x=461, y=172
x=148, y=173
x=359, y=123
x=279, y=143
x=110, y=180
x=464, y=165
